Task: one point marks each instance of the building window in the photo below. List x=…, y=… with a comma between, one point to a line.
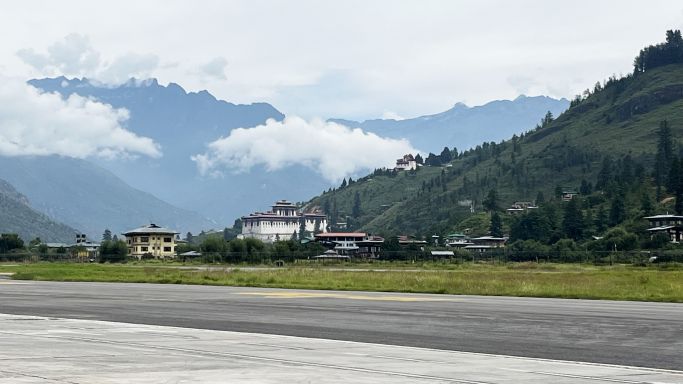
x=144, y=249
x=144, y=239
x=167, y=249
x=168, y=239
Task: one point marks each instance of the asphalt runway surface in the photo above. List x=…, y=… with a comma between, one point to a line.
x=609, y=332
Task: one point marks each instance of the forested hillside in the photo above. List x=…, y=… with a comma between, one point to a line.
x=618, y=144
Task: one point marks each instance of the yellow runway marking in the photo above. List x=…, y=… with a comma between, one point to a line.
x=351, y=296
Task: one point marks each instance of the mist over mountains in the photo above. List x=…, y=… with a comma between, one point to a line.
x=92, y=194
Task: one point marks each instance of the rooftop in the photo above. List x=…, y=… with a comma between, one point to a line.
x=341, y=234
x=151, y=228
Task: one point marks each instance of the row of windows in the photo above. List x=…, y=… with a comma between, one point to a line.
x=145, y=239
x=146, y=249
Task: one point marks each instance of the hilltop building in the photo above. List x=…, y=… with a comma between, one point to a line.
x=151, y=240
x=406, y=163
x=281, y=223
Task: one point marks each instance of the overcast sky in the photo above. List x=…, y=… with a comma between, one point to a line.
x=350, y=59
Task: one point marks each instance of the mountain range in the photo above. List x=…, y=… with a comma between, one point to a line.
x=94, y=194
x=466, y=127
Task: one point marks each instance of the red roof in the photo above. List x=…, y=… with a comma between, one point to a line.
x=341, y=234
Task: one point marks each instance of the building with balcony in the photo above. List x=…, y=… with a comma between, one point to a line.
x=151, y=240
x=671, y=225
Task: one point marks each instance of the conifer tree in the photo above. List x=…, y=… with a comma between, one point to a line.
x=496, y=228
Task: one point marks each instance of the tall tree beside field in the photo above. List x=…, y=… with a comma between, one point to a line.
x=106, y=236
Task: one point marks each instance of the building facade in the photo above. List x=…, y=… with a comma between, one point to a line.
x=407, y=163
x=151, y=240
x=281, y=223
x=357, y=244
x=671, y=225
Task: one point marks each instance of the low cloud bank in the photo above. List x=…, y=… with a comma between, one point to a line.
x=333, y=150
x=41, y=124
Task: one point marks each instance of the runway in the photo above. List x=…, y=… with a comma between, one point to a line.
x=39, y=350
x=608, y=332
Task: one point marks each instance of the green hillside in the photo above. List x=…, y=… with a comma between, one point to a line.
x=16, y=216
x=615, y=123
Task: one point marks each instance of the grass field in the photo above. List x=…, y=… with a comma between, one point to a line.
x=520, y=279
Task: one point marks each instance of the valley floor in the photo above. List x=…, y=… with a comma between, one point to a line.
x=582, y=281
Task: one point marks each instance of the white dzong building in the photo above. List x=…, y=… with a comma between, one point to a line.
x=281, y=223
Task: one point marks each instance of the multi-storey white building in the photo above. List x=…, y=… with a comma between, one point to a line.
x=281, y=223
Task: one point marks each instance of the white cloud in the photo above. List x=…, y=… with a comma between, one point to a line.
x=35, y=123
x=72, y=56
x=333, y=150
x=124, y=67
x=389, y=115
x=215, y=68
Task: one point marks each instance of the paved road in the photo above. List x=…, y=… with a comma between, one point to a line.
x=628, y=333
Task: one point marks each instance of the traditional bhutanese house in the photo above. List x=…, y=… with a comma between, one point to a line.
x=485, y=243
x=280, y=223
x=520, y=207
x=458, y=240
x=152, y=240
x=83, y=248
x=672, y=225
x=409, y=240
x=568, y=195
x=406, y=163
x=358, y=244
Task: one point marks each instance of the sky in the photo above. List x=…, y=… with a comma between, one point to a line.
x=346, y=59
x=312, y=60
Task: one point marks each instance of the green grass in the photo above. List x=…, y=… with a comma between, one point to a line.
x=522, y=279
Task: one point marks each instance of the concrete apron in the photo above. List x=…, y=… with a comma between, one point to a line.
x=54, y=350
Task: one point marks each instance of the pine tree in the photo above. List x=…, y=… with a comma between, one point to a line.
x=572, y=223
x=106, y=236
x=355, y=211
x=540, y=198
x=664, y=155
x=601, y=220
x=419, y=159
x=496, y=228
x=490, y=203
x=445, y=155
x=343, y=184
x=617, y=211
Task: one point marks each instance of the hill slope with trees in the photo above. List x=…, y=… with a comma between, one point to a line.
x=16, y=216
x=618, y=144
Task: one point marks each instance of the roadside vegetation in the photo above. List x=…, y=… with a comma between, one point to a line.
x=662, y=282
